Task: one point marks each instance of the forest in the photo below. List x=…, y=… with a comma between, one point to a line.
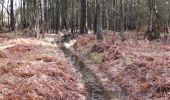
x=84, y=50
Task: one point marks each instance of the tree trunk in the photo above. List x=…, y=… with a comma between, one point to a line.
x=2, y=14
x=24, y=16
x=57, y=20
x=73, y=18
x=83, y=17
x=95, y=18
x=152, y=33
x=122, y=35
x=37, y=19
x=12, y=20
x=99, y=20
x=64, y=14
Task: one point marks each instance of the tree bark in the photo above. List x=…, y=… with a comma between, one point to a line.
x=95, y=17
x=122, y=35
x=12, y=20
x=24, y=16
x=83, y=17
x=99, y=20
x=152, y=33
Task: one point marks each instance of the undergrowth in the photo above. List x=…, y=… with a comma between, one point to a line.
x=96, y=57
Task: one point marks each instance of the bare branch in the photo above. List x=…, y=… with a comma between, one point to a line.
x=5, y=8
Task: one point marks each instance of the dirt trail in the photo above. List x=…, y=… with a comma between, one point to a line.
x=94, y=87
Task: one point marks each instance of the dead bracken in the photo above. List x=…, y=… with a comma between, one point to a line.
x=37, y=74
x=141, y=70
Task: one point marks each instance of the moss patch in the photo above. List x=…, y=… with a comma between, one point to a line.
x=96, y=57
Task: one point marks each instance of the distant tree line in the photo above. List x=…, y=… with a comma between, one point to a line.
x=79, y=16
